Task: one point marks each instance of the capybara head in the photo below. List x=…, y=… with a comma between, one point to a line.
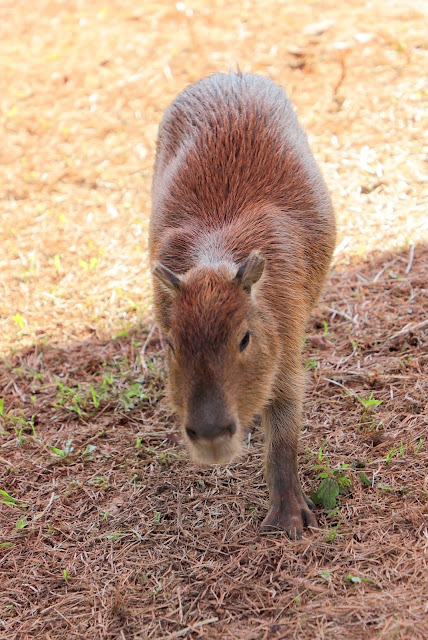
x=222, y=352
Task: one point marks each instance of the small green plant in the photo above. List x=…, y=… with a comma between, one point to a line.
x=326, y=575
x=65, y=575
x=252, y=509
x=114, y=536
x=355, y=347
x=135, y=479
x=70, y=398
x=21, y=523
x=57, y=261
x=121, y=334
x=6, y=498
x=88, y=451
x=395, y=451
x=132, y=396
x=364, y=479
x=19, y=320
x=311, y=364
x=331, y=535
x=419, y=445
x=101, y=483
x=157, y=517
x=325, y=329
x=88, y=266
x=63, y=453
x=370, y=402
x=333, y=481
x=359, y=579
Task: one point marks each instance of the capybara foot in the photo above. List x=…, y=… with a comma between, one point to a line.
x=290, y=516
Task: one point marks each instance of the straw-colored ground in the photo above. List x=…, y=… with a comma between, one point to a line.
x=106, y=529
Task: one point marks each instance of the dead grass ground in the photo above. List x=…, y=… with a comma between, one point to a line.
x=110, y=532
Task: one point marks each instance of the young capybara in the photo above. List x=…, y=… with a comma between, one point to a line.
x=241, y=237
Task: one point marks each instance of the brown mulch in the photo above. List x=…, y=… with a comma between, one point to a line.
x=107, y=530
x=154, y=547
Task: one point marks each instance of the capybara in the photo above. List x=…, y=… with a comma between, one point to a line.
x=241, y=237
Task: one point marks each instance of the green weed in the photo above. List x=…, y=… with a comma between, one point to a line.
x=6, y=498
x=419, y=445
x=395, y=451
x=359, y=579
x=331, y=535
x=370, y=402
x=132, y=396
x=21, y=523
x=114, y=536
x=311, y=364
x=63, y=453
x=19, y=320
x=333, y=481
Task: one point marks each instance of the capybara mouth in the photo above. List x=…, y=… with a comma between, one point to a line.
x=220, y=451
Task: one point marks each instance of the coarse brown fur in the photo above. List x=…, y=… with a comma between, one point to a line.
x=242, y=233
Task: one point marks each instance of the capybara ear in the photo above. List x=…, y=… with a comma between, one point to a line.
x=250, y=271
x=171, y=280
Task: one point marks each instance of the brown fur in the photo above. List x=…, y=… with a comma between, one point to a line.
x=241, y=238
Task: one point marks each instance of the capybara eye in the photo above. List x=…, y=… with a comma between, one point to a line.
x=244, y=342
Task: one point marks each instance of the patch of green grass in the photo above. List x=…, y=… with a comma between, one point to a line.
x=132, y=395
x=84, y=402
x=100, y=483
x=70, y=398
x=87, y=402
x=19, y=423
x=395, y=451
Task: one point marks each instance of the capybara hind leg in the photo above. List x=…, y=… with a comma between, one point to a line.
x=289, y=508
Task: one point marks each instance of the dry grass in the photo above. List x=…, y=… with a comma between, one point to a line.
x=111, y=532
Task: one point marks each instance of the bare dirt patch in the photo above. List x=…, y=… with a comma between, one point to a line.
x=106, y=529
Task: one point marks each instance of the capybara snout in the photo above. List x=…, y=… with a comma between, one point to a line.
x=241, y=237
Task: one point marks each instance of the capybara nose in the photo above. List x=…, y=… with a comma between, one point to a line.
x=210, y=431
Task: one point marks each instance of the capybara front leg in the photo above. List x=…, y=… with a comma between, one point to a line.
x=289, y=508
